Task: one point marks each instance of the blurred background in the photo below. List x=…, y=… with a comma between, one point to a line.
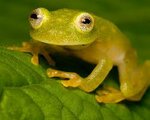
x=131, y=16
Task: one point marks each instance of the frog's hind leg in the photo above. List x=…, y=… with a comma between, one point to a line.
x=134, y=81
x=35, y=48
x=109, y=95
x=134, y=86
x=143, y=75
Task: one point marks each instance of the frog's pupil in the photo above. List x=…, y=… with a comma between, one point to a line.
x=34, y=16
x=86, y=21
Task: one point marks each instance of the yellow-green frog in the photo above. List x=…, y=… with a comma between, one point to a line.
x=92, y=39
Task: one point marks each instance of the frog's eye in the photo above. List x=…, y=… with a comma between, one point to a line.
x=84, y=22
x=36, y=18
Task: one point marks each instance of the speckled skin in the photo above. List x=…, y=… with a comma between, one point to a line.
x=104, y=45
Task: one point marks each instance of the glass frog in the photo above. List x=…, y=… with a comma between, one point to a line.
x=94, y=40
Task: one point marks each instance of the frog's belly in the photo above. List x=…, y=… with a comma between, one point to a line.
x=94, y=55
x=87, y=56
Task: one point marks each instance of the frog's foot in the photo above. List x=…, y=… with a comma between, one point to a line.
x=109, y=95
x=26, y=47
x=73, y=79
x=35, y=49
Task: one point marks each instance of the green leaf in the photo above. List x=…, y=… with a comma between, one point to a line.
x=26, y=93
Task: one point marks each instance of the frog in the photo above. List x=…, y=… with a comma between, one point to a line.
x=93, y=39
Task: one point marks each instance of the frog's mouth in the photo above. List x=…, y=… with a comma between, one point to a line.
x=61, y=39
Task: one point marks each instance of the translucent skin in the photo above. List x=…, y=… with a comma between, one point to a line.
x=104, y=46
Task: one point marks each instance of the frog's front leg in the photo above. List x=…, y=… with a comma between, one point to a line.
x=74, y=79
x=87, y=84
x=35, y=48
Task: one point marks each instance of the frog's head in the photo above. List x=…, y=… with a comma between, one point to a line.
x=63, y=27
